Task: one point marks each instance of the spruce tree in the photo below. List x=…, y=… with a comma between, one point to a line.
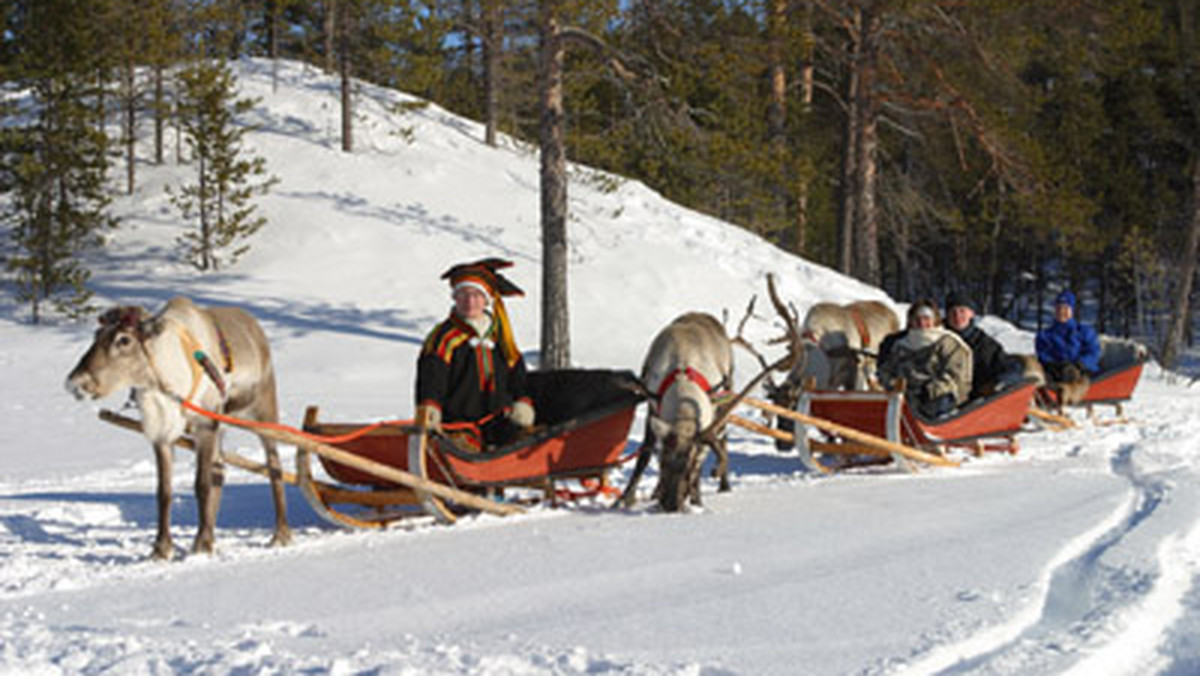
x=56, y=163
x=219, y=202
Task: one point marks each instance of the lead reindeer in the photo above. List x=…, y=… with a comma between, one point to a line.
x=162, y=358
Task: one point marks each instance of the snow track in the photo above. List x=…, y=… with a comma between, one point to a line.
x=1113, y=596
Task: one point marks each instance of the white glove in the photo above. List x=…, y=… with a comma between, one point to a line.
x=522, y=414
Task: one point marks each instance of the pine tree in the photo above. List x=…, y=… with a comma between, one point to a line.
x=56, y=163
x=219, y=202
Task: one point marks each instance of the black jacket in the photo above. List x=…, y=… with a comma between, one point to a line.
x=991, y=361
x=466, y=375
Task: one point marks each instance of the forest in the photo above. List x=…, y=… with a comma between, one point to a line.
x=1006, y=148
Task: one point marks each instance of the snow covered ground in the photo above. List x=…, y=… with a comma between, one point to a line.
x=1079, y=555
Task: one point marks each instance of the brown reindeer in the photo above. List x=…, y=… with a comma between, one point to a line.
x=216, y=358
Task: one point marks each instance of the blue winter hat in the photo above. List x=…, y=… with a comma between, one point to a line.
x=1065, y=298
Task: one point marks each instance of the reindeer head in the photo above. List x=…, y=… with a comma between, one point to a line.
x=683, y=411
x=116, y=358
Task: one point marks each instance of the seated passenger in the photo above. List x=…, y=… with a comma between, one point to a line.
x=991, y=367
x=1068, y=350
x=933, y=363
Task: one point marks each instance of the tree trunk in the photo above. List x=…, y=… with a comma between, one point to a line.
x=850, y=138
x=555, y=338
x=492, y=37
x=777, y=104
x=343, y=49
x=331, y=9
x=130, y=126
x=272, y=17
x=866, y=213
x=1180, y=310
x=160, y=114
x=807, y=66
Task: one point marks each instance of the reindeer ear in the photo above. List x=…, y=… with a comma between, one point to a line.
x=149, y=325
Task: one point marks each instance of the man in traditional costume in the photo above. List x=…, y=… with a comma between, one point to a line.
x=470, y=369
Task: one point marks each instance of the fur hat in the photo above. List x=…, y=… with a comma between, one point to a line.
x=1065, y=298
x=959, y=298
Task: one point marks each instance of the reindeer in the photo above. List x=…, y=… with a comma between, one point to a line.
x=171, y=358
x=836, y=349
x=688, y=361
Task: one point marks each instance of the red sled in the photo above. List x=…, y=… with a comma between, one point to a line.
x=987, y=424
x=1121, y=365
x=584, y=422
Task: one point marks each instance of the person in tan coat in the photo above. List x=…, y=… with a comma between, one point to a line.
x=934, y=363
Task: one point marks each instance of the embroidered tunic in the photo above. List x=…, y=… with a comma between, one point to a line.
x=466, y=375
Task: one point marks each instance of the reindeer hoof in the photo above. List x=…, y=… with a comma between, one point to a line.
x=282, y=538
x=163, y=550
x=202, y=546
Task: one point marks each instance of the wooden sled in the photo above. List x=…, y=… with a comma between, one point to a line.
x=584, y=422
x=988, y=424
x=1112, y=387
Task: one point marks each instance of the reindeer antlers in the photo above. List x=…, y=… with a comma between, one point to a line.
x=789, y=315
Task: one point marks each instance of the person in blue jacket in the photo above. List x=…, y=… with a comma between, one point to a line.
x=1068, y=350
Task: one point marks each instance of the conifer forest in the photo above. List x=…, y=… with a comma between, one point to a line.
x=1008, y=148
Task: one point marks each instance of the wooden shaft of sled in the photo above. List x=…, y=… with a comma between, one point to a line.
x=239, y=461
x=385, y=472
x=852, y=434
x=760, y=428
x=1060, y=420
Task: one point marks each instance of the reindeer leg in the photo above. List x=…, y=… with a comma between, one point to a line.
x=629, y=496
x=208, y=488
x=283, y=534
x=695, y=465
x=163, y=547
x=722, y=469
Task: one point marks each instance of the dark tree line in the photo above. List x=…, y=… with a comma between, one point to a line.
x=1006, y=147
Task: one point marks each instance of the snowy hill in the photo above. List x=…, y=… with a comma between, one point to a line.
x=1082, y=552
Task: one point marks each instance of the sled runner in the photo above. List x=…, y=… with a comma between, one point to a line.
x=584, y=421
x=851, y=423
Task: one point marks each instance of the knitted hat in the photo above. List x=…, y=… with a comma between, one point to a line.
x=960, y=299
x=483, y=275
x=1065, y=298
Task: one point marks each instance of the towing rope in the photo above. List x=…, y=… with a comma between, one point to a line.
x=319, y=438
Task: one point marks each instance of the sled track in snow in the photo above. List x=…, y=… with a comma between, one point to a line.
x=1083, y=597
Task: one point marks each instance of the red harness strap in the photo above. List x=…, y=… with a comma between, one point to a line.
x=689, y=373
x=863, y=333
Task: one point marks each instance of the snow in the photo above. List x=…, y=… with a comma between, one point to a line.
x=1081, y=554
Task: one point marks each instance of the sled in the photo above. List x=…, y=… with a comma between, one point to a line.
x=1121, y=367
x=584, y=422
x=848, y=421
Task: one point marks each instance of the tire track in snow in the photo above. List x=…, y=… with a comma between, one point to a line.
x=1083, y=597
